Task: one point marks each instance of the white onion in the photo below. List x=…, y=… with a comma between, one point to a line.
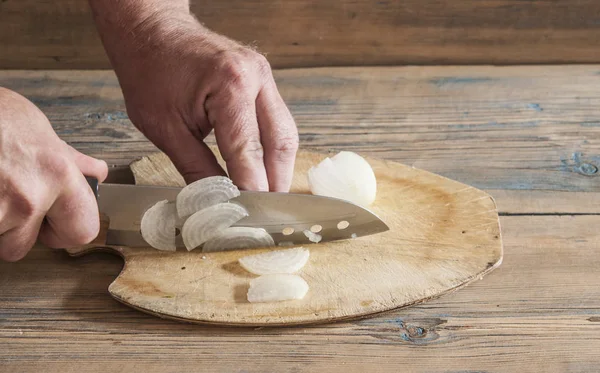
x=205, y=193
x=273, y=262
x=347, y=176
x=210, y=222
x=239, y=238
x=158, y=226
x=277, y=287
x=312, y=237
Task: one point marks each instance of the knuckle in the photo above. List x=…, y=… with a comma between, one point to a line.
x=57, y=165
x=239, y=67
x=285, y=147
x=25, y=203
x=247, y=148
x=263, y=65
x=234, y=70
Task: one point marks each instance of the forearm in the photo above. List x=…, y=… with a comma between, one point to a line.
x=134, y=27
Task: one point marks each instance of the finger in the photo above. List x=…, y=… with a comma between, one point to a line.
x=89, y=166
x=73, y=219
x=16, y=242
x=279, y=137
x=193, y=158
x=233, y=117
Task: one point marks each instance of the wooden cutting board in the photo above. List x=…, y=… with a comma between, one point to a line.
x=443, y=235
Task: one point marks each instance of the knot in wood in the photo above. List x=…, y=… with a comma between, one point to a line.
x=588, y=169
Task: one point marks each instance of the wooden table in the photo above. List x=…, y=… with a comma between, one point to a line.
x=528, y=135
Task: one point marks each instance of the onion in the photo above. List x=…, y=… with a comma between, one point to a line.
x=205, y=193
x=273, y=262
x=312, y=237
x=347, y=176
x=158, y=226
x=239, y=238
x=277, y=287
x=210, y=222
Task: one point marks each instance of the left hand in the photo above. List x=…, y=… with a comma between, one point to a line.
x=183, y=81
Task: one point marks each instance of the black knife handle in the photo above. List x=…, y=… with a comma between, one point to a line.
x=93, y=183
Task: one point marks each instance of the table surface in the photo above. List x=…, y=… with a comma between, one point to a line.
x=530, y=136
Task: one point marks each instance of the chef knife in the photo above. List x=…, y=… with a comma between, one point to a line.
x=288, y=217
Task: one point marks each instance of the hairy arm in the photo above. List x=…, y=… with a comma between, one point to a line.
x=181, y=81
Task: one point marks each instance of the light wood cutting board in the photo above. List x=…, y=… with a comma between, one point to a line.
x=443, y=235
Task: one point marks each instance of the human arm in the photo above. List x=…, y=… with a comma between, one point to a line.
x=180, y=81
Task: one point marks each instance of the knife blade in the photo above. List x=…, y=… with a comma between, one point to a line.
x=285, y=216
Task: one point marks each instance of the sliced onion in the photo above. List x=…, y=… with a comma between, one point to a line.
x=312, y=237
x=278, y=261
x=347, y=176
x=277, y=287
x=210, y=222
x=158, y=226
x=239, y=238
x=205, y=193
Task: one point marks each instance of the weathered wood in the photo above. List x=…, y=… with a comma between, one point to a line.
x=540, y=202
x=540, y=311
x=443, y=235
x=61, y=33
x=509, y=128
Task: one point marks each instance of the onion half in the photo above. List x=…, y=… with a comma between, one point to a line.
x=210, y=222
x=158, y=226
x=234, y=238
x=347, y=176
x=273, y=262
x=277, y=287
x=205, y=193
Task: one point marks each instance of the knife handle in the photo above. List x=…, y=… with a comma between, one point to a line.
x=93, y=183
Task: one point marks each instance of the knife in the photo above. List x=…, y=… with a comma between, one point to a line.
x=287, y=217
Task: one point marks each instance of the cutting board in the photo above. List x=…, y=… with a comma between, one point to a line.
x=443, y=235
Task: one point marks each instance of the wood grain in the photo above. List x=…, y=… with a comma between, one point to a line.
x=443, y=235
x=540, y=202
x=498, y=128
x=301, y=33
x=540, y=311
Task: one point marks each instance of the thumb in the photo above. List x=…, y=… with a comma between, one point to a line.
x=89, y=166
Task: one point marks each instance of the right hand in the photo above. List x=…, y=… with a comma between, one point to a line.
x=43, y=192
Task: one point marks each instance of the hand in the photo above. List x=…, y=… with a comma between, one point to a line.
x=181, y=81
x=43, y=193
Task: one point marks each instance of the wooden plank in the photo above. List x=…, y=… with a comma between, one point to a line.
x=541, y=202
x=509, y=128
x=540, y=311
x=300, y=33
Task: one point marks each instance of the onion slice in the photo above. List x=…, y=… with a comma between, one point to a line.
x=239, y=238
x=210, y=222
x=205, y=193
x=158, y=226
x=312, y=237
x=273, y=262
x=277, y=287
x=347, y=176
